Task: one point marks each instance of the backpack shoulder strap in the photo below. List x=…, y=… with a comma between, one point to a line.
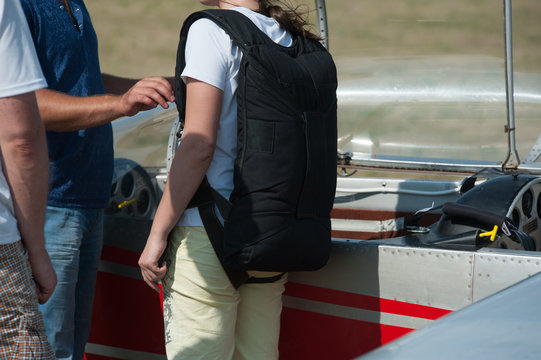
x=240, y=28
x=242, y=31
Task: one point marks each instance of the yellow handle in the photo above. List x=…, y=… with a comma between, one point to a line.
x=123, y=204
x=492, y=233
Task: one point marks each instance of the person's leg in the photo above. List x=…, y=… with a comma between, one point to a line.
x=89, y=258
x=258, y=321
x=199, y=301
x=22, y=333
x=63, y=236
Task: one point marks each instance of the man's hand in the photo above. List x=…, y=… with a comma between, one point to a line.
x=43, y=272
x=146, y=94
x=125, y=97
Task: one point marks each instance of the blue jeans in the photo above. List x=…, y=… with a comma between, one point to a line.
x=73, y=239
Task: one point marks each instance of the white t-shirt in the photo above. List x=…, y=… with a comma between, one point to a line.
x=212, y=57
x=20, y=73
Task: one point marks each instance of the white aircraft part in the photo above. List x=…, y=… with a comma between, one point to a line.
x=355, y=313
x=368, y=225
x=437, y=278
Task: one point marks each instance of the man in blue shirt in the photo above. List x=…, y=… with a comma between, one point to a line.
x=77, y=108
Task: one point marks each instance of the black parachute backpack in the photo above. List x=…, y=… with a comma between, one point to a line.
x=278, y=215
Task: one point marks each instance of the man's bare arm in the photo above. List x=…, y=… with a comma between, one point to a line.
x=26, y=168
x=62, y=112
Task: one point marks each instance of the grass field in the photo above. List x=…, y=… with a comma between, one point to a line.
x=139, y=37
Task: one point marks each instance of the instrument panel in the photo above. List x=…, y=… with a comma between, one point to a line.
x=133, y=192
x=525, y=211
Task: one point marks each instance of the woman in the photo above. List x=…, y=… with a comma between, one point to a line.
x=205, y=316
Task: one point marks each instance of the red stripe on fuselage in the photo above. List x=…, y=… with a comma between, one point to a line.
x=344, y=298
x=363, y=214
x=308, y=335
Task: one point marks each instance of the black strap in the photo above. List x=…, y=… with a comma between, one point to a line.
x=264, y=280
x=204, y=200
x=215, y=233
x=240, y=28
x=206, y=194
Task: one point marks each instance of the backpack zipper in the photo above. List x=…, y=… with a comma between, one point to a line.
x=244, y=120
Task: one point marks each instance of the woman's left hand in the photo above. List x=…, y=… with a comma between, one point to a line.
x=151, y=270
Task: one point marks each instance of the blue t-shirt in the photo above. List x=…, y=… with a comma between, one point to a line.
x=81, y=162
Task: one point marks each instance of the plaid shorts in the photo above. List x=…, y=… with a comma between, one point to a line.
x=22, y=333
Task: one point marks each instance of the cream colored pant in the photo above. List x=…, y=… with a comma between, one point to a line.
x=205, y=316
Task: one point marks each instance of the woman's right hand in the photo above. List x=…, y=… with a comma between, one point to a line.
x=151, y=270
